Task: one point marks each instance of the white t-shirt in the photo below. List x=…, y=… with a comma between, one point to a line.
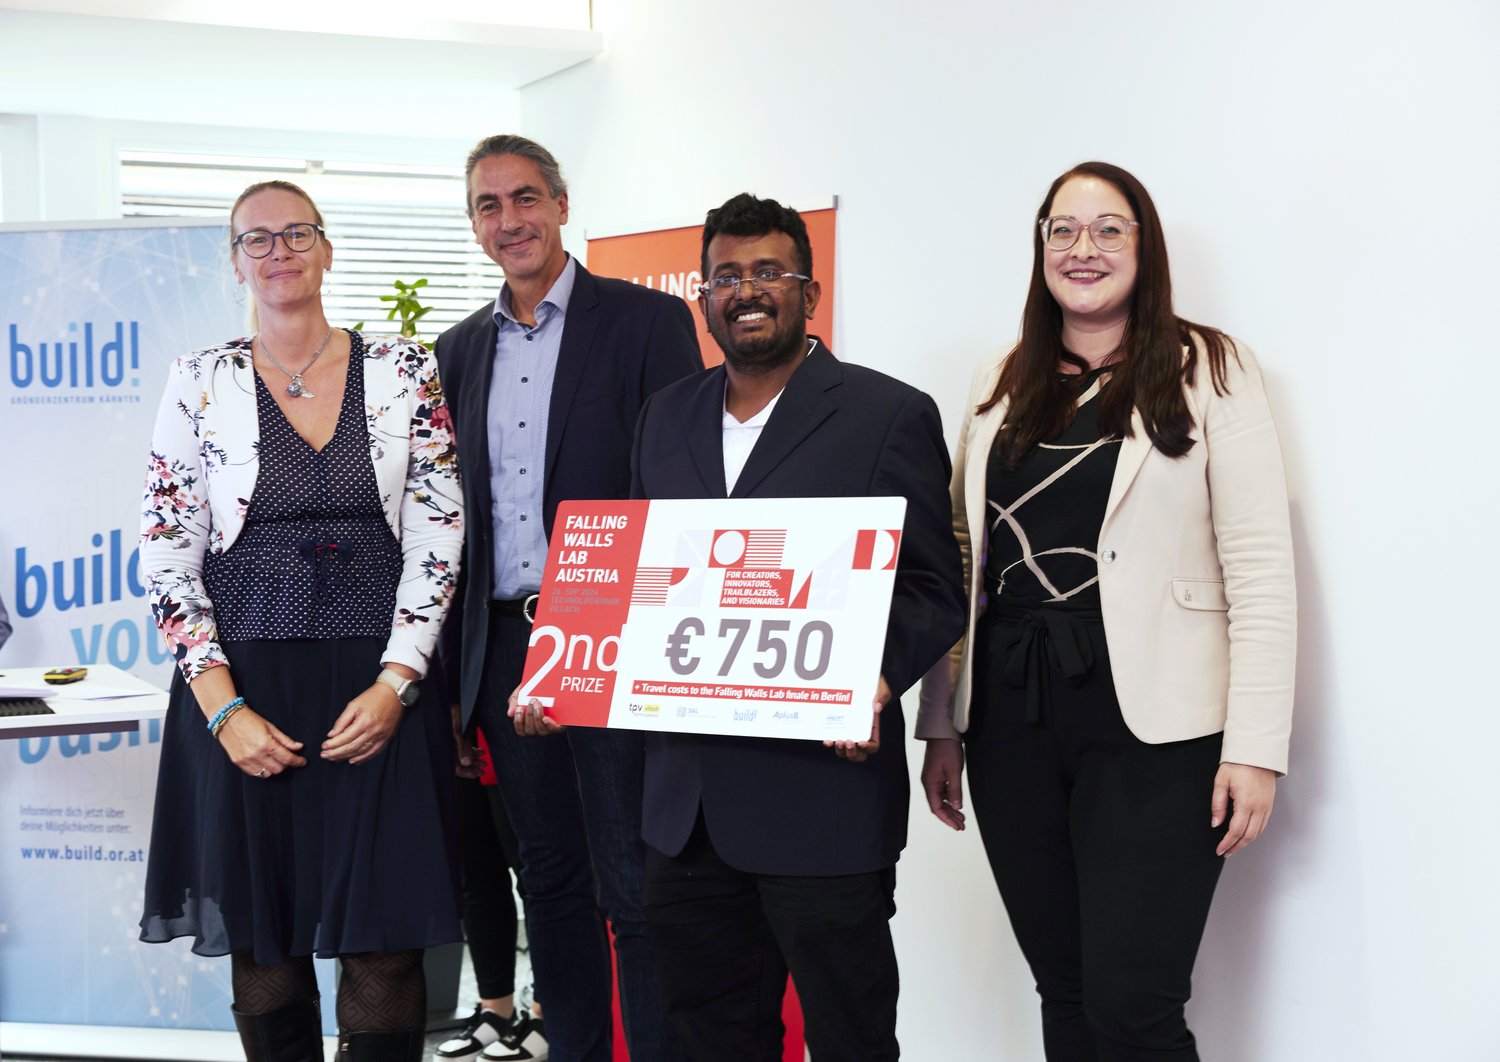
x=740, y=439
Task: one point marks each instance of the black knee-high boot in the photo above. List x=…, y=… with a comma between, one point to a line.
x=404, y=1045
x=290, y=1033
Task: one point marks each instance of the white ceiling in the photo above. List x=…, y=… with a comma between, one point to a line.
x=371, y=67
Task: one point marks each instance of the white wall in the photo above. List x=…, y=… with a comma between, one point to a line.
x=167, y=66
x=1326, y=172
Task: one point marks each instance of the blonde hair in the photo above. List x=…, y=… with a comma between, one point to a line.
x=252, y=312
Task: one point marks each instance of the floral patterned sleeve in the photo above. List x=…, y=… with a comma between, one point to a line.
x=432, y=531
x=176, y=526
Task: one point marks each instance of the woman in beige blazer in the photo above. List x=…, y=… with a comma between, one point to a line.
x=1123, y=696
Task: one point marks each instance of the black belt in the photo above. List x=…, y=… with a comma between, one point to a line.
x=1034, y=639
x=522, y=607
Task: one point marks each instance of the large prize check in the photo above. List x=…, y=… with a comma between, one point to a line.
x=757, y=617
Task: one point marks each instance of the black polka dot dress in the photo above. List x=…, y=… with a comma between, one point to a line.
x=316, y=558
x=330, y=858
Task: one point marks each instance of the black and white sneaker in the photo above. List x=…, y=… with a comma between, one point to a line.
x=524, y=1041
x=484, y=1029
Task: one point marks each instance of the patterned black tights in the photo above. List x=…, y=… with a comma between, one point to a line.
x=382, y=991
x=261, y=989
x=377, y=991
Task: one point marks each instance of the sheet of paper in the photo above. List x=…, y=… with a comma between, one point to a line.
x=755, y=617
x=27, y=682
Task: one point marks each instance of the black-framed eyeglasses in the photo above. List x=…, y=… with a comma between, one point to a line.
x=1109, y=232
x=257, y=243
x=727, y=287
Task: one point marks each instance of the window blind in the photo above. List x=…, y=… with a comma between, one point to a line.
x=386, y=223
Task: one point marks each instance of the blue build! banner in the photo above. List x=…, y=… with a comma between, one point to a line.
x=90, y=318
x=89, y=321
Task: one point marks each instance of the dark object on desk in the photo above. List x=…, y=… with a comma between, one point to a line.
x=10, y=706
x=61, y=676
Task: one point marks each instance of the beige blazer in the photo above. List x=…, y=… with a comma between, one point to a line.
x=1195, y=574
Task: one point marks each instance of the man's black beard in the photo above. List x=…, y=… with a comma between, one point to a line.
x=758, y=358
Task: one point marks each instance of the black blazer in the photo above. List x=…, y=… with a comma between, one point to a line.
x=776, y=806
x=620, y=343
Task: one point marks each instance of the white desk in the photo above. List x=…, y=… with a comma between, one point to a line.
x=74, y=714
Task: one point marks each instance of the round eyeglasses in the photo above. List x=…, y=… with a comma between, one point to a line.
x=1108, y=232
x=727, y=287
x=257, y=243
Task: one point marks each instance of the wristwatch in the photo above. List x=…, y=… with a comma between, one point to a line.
x=407, y=690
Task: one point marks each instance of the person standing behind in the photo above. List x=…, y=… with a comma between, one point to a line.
x=770, y=855
x=501, y=1028
x=546, y=384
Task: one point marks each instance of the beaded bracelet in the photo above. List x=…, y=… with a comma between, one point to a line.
x=227, y=717
x=217, y=722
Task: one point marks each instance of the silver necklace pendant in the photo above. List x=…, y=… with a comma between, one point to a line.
x=297, y=389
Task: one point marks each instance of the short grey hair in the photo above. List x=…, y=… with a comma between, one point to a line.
x=515, y=144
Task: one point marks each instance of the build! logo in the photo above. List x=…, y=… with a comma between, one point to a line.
x=70, y=586
x=89, y=363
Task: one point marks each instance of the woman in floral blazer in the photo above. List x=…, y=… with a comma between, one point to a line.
x=205, y=457
x=301, y=534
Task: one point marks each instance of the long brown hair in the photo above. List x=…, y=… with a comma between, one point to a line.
x=1151, y=371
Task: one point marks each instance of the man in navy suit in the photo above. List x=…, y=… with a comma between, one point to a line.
x=545, y=385
x=767, y=855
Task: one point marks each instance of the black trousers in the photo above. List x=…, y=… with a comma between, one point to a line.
x=488, y=858
x=1101, y=847
x=726, y=940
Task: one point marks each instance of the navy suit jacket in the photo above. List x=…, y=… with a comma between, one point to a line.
x=620, y=343
x=775, y=806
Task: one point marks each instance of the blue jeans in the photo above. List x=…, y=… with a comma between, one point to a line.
x=574, y=801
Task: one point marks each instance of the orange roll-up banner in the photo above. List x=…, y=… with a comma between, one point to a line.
x=667, y=260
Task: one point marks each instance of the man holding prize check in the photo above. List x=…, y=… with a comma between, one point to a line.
x=771, y=855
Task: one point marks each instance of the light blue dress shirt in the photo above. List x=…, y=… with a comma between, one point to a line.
x=520, y=393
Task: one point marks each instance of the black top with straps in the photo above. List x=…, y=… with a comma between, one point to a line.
x=1042, y=565
x=1044, y=515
